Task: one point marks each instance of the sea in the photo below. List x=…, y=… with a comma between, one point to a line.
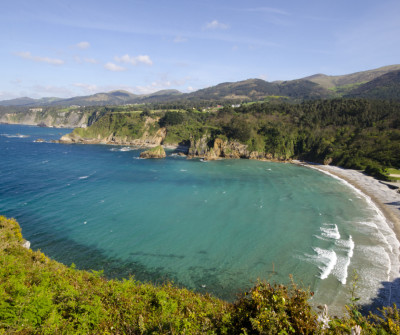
x=214, y=227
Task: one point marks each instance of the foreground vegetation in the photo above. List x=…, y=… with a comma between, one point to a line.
x=41, y=296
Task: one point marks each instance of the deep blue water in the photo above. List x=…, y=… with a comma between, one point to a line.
x=210, y=226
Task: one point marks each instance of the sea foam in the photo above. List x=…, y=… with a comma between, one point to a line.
x=386, y=234
x=328, y=258
x=330, y=231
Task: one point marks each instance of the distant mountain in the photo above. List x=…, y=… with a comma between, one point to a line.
x=160, y=96
x=366, y=84
x=251, y=89
x=25, y=101
x=100, y=99
x=302, y=89
x=385, y=87
x=257, y=89
x=343, y=85
x=330, y=82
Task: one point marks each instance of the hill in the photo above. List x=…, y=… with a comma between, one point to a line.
x=318, y=86
x=385, y=87
x=25, y=101
x=330, y=82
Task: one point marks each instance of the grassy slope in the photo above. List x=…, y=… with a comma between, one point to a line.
x=329, y=82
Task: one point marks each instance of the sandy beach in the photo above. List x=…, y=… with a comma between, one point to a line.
x=387, y=200
x=384, y=197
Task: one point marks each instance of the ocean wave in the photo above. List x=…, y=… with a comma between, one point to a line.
x=378, y=221
x=328, y=258
x=341, y=270
x=122, y=149
x=330, y=231
x=14, y=135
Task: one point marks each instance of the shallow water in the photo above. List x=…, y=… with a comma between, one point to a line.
x=210, y=226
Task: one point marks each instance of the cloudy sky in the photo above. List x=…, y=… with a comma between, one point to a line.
x=65, y=48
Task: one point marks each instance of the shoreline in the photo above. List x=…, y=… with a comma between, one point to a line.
x=387, y=200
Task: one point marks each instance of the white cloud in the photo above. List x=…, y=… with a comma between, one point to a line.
x=83, y=45
x=90, y=60
x=4, y=95
x=28, y=55
x=180, y=39
x=162, y=84
x=85, y=60
x=88, y=88
x=114, y=67
x=190, y=89
x=50, y=90
x=216, y=25
x=134, y=60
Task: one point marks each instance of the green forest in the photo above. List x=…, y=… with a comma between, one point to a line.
x=352, y=133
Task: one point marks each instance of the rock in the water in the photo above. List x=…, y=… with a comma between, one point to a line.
x=156, y=152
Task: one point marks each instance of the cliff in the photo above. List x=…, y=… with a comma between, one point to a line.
x=145, y=131
x=211, y=149
x=119, y=130
x=49, y=118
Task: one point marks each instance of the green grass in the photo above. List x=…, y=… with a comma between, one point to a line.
x=343, y=89
x=393, y=171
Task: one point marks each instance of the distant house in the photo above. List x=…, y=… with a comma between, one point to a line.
x=236, y=106
x=36, y=109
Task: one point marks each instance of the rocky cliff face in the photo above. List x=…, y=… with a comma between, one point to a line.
x=70, y=119
x=218, y=148
x=146, y=140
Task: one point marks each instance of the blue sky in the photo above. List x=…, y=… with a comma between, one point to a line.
x=65, y=48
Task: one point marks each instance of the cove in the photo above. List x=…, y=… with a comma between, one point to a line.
x=214, y=227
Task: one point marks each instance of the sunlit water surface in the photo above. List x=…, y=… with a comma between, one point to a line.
x=213, y=226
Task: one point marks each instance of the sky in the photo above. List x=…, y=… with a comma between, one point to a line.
x=65, y=48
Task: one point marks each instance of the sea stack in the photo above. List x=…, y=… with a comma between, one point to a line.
x=156, y=152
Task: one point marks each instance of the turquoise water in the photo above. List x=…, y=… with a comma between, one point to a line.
x=210, y=226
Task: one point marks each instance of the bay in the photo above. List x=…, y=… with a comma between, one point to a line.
x=214, y=227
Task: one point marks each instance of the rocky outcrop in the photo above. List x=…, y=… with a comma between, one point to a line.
x=156, y=152
x=69, y=119
x=146, y=140
x=218, y=148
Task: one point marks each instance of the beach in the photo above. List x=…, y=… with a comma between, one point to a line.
x=387, y=200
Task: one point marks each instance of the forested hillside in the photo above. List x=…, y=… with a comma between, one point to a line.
x=353, y=133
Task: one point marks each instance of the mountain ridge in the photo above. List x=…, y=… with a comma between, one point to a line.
x=317, y=86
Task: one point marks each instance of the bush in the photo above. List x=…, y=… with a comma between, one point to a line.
x=377, y=172
x=171, y=119
x=274, y=309
x=238, y=129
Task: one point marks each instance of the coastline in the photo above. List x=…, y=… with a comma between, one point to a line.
x=385, y=198
x=386, y=201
